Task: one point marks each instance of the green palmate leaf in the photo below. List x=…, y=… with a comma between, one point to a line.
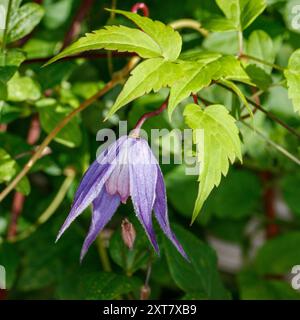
x=217, y=143
x=199, y=277
x=118, y=38
x=24, y=20
x=156, y=39
x=231, y=69
x=196, y=76
x=292, y=74
x=241, y=13
x=200, y=73
x=260, y=45
x=152, y=74
x=165, y=37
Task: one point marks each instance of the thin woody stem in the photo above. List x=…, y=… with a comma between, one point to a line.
x=272, y=65
x=148, y=115
x=75, y=27
x=267, y=113
x=19, y=199
x=111, y=84
x=273, y=144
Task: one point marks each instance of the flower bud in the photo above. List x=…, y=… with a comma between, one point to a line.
x=145, y=292
x=128, y=233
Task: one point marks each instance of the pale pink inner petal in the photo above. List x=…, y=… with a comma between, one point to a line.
x=123, y=183
x=118, y=182
x=112, y=182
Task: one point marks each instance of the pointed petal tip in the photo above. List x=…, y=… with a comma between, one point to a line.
x=82, y=255
x=184, y=255
x=60, y=233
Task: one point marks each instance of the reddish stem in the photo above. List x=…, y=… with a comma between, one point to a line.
x=17, y=207
x=148, y=115
x=195, y=98
x=34, y=130
x=272, y=229
x=75, y=27
x=19, y=198
x=140, y=6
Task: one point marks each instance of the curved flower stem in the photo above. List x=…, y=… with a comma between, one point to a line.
x=189, y=24
x=148, y=115
x=55, y=203
x=111, y=84
x=272, y=65
x=103, y=253
x=140, y=6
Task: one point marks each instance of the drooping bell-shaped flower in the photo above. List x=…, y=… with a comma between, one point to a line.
x=126, y=168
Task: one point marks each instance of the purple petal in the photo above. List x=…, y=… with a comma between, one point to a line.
x=92, y=182
x=161, y=212
x=143, y=175
x=104, y=207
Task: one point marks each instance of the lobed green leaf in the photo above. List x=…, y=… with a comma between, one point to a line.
x=217, y=144
x=152, y=74
x=165, y=36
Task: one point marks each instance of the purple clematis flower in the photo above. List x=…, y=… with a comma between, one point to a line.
x=126, y=168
